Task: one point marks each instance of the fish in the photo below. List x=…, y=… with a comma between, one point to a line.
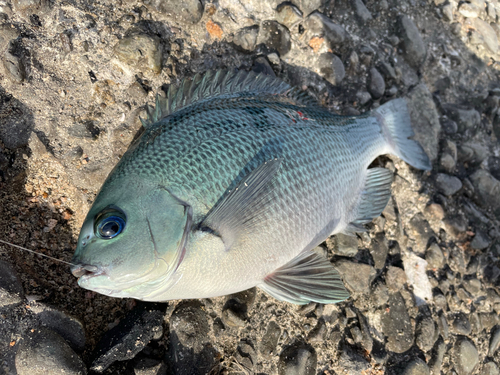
x=235, y=181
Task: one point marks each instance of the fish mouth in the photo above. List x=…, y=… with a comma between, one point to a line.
x=86, y=271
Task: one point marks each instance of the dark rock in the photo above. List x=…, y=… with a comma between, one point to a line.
x=397, y=326
x=185, y=10
x=426, y=334
x=246, y=38
x=376, y=83
x=330, y=67
x=466, y=356
x=421, y=231
x=416, y=367
x=449, y=126
x=261, y=66
x=150, y=366
x=308, y=6
x=395, y=278
x=455, y=225
x=351, y=362
x=130, y=336
x=43, y=352
x=424, y=119
x=297, y=359
x=437, y=357
x=434, y=257
x=447, y=184
x=362, y=13
x=190, y=350
x=319, y=25
x=413, y=45
x=487, y=190
x=234, y=312
x=269, y=342
x=139, y=53
x=363, y=97
x=288, y=14
x=346, y=246
x=359, y=281
x=494, y=342
x=378, y=249
x=480, y=241
x=14, y=66
x=494, y=166
x=275, y=36
x=464, y=118
x=246, y=354
x=11, y=289
x=87, y=129
x=387, y=70
x=461, y=324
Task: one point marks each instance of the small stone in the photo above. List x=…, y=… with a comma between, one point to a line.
x=455, y=225
x=466, y=356
x=139, y=52
x=449, y=126
x=488, y=320
x=490, y=368
x=14, y=66
x=350, y=362
x=376, y=83
x=214, y=29
x=426, y=334
x=413, y=45
x=246, y=354
x=11, y=289
x=468, y=10
x=379, y=248
x=288, y=14
x=489, y=36
x=480, y=241
x=461, y=324
x=330, y=67
x=31, y=5
x=447, y=184
x=246, y=38
x=43, y=352
x=487, y=190
x=359, y=281
x=275, y=36
x=297, y=359
x=447, y=162
x=416, y=367
x=269, y=342
x=494, y=342
x=346, y=246
x=434, y=211
x=149, y=366
x=397, y=326
x=395, y=278
x=421, y=231
x=319, y=25
x=447, y=10
x=494, y=166
x=363, y=97
x=437, y=357
x=185, y=10
x=464, y=118
x=415, y=269
x=434, y=257
x=362, y=13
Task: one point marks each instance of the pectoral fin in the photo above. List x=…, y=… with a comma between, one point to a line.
x=309, y=277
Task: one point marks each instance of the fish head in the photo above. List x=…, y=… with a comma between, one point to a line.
x=132, y=240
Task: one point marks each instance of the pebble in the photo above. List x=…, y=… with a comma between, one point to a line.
x=490, y=368
x=330, y=67
x=288, y=14
x=14, y=67
x=44, y=352
x=487, y=190
x=297, y=359
x=448, y=11
x=447, y=162
x=350, y=362
x=397, y=325
x=184, y=10
x=461, y=324
x=139, y=53
x=434, y=211
x=246, y=354
x=359, y=281
x=473, y=286
x=362, y=13
x=494, y=166
x=437, y=357
x=11, y=289
x=149, y=366
x=416, y=367
x=421, y=231
x=269, y=342
x=275, y=36
x=488, y=320
x=319, y=25
x=246, y=38
x=489, y=36
x=379, y=248
x=414, y=48
x=468, y=10
x=376, y=83
x=395, y=278
x=447, y=184
x=363, y=97
x=434, y=257
x=449, y=126
x=345, y=245
x=466, y=356
x=464, y=118
x=426, y=334
x=494, y=342
x=480, y=241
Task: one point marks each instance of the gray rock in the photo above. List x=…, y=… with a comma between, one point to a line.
x=344, y=245
x=489, y=320
x=275, y=36
x=357, y=276
x=447, y=162
x=437, y=357
x=288, y=14
x=443, y=326
x=473, y=286
x=468, y=10
x=490, y=368
x=246, y=38
x=246, y=354
x=416, y=367
x=379, y=248
x=494, y=166
x=11, y=289
x=376, y=83
x=297, y=359
x=395, y=278
x=480, y=241
x=455, y=225
x=424, y=119
x=29, y=5
x=461, y=324
x=494, y=342
x=43, y=352
x=465, y=118
x=449, y=126
x=363, y=97
x=466, y=356
x=397, y=325
x=487, y=190
x=413, y=44
x=488, y=35
x=269, y=342
x=351, y=362
x=330, y=67
x=447, y=10
x=150, y=366
x=185, y=10
x=426, y=334
x=319, y=25
x=139, y=53
x=496, y=119
x=447, y=184
x=14, y=66
x=362, y=13
x=421, y=231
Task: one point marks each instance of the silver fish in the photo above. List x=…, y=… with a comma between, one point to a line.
x=235, y=180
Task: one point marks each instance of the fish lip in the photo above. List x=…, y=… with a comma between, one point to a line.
x=87, y=271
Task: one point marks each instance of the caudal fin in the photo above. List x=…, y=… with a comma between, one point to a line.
x=395, y=122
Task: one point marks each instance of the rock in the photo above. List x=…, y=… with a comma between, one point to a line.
x=437, y=357
x=480, y=241
x=489, y=36
x=246, y=354
x=434, y=211
x=190, y=350
x=29, y=5
x=461, y=324
x=447, y=162
x=350, y=362
x=288, y=14
x=487, y=190
x=447, y=184
x=494, y=166
x=449, y=126
x=376, y=83
x=344, y=245
x=421, y=231
x=434, y=257
x=466, y=356
x=275, y=37
x=490, y=368
x=269, y=342
x=297, y=359
x=246, y=38
x=363, y=97
x=468, y=10
x=14, y=66
x=415, y=269
x=397, y=326
x=424, y=119
x=139, y=53
x=362, y=13
x=44, y=352
x=426, y=334
x=465, y=118
x=319, y=25
x=330, y=67
x=412, y=42
x=308, y=6
x=447, y=10
x=488, y=320
x=150, y=366
x=416, y=367
x=358, y=281
x=260, y=10
x=130, y=336
x=11, y=289
x=494, y=342
x=378, y=249
x=185, y=10
x=395, y=278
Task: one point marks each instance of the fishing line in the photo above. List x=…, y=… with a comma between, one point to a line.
x=37, y=253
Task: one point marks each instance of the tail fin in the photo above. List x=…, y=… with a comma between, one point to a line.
x=395, y=122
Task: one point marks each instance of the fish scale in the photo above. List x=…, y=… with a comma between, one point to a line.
x=232, y=185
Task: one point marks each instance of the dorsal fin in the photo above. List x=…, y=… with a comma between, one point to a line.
x=221, y=82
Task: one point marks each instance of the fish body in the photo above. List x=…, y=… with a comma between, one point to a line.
x=236, y=179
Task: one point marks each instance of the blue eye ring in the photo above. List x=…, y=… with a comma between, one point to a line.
x=109, y=224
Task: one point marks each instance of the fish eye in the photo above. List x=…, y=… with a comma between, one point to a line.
x=109, y=223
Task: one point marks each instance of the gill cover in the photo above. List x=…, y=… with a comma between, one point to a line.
x=132, y=240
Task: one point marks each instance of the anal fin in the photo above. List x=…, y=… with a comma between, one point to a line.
x=309, y=277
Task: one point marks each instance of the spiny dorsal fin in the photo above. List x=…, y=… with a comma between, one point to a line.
x=221, y=82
